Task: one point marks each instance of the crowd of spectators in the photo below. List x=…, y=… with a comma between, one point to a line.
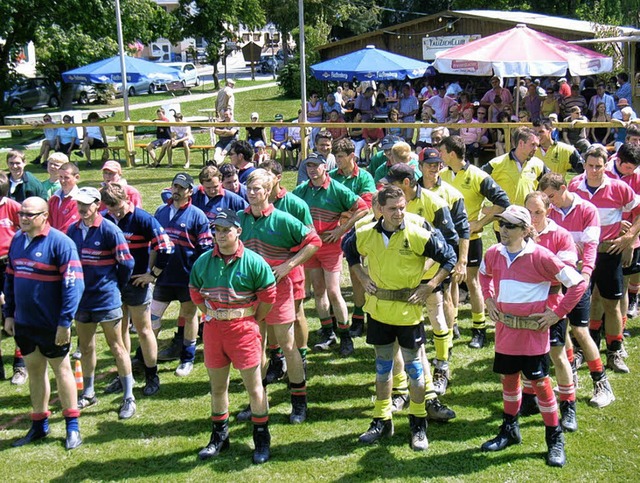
x=429, y=102
x=391, y=104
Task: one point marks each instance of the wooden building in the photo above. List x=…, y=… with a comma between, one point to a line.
x=451, y=26
x=424, y=37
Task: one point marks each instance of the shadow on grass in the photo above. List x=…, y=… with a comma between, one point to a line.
x=469, y=429
x=382, y=464
x=15, y=401
x=159, y=466
x=172, y=466
x=111, y=430
x=172, y=387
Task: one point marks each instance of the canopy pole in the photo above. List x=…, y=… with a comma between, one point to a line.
x=128, y=134
x=517, y=90
x=303, y=82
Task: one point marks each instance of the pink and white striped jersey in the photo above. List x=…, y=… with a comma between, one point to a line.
x=560, y=242
x=633, y=180
x=613, y=198
x=582, y=221
x=521, y=288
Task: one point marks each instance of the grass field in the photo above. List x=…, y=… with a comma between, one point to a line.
x=267, y=102
x=162, y=441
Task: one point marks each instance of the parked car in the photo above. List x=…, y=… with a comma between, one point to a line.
x=280, y=56
x=186, y=71
x=84, y=93
x=32, y=92
x=268, y=65
x=143, y=86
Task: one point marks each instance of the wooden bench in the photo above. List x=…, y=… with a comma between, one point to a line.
x=177, y=86
x=203, y=148
x=116, y=148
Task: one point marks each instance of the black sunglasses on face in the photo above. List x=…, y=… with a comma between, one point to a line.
x=508, y=226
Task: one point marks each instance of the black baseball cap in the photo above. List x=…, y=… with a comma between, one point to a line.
x=228, y=218
x=316, y=158
x=389, y=141
x=399, y=172
x=183, y=179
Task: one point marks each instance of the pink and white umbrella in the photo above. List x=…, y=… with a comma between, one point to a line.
x=520, y=52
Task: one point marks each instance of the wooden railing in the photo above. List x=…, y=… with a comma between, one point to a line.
x=128, y=128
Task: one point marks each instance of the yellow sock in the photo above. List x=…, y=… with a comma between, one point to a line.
x=417, y=409
x=382, y=408
x=478, y=320
x=400, y=384
x=429, y=390
x=441, y=341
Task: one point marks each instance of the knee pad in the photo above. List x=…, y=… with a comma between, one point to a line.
x=157, y=311
x=156, y=322
x=415, y=371
x=383, y=369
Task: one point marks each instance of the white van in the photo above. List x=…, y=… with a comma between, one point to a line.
x=187, y=72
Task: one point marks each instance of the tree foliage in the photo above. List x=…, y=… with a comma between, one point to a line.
x=324, y=20
x=216, y=21
x=72, y=33
x=315, y=36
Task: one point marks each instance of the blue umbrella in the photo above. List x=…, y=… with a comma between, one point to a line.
x=108, y=71
x=370, y=64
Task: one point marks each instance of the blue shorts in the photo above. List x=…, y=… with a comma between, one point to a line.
x=635, y=263
x=29, y=338
x=98, y=316
x=223, y=143
x=557, y=333
x=607, y=276
x=169, y=293
x=134, y=296
x=97, y=144
x=579, y=316
x=475, y=253
x=64, y=148
x=158, y=143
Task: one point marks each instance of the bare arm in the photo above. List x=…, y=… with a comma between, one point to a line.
x=262, y=310
x=302, y=256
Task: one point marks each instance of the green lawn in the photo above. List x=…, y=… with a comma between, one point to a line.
x=162, y=441
x=266, y=101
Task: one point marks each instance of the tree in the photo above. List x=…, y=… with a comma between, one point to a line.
x=216, y=21
x=61, y=47
x=71, y=33
x=20, y=18
x=324, y=20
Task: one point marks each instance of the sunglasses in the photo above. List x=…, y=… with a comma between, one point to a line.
x=29, y=216
x=508, y=226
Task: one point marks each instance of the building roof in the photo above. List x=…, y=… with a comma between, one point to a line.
x=510, y=19
x=539, y=19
